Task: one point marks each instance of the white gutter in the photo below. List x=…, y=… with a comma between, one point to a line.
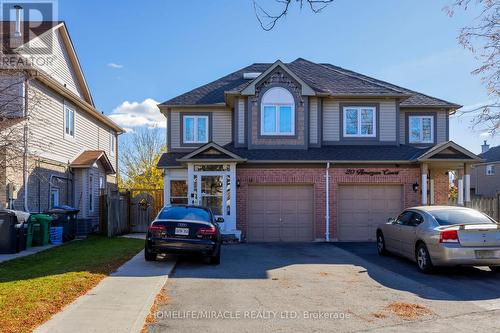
x=327, y=212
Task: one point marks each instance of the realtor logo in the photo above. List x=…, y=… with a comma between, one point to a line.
x=22, y=21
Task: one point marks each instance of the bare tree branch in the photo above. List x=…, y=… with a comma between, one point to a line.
x=482, y=38
x=268, y=21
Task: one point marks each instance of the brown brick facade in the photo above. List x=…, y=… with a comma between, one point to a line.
x=316, y=177
x=441, y=186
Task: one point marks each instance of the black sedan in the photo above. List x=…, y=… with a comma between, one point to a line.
x=184, y=229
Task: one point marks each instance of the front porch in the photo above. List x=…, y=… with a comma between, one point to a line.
x=436, y=166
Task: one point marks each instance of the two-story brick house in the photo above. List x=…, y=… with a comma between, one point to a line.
x=305, y=151
x=70, y=153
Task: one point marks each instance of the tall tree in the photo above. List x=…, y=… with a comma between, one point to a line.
x=139, y=155
x=482, y=38
x=268, y=20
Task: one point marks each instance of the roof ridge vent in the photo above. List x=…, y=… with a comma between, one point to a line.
x=251, y=75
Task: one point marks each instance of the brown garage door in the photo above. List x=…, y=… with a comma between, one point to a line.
x=281, y=213
x=363, y=207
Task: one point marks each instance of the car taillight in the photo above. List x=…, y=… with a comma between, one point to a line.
x=207, y=231
x=157, y=228
x=448, y=236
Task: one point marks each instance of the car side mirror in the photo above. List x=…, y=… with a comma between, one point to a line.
x=219, y=219
x=391, y=220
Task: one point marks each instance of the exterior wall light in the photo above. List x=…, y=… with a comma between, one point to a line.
x=415, y=187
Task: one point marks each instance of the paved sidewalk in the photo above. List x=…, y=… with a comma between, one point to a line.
x=119, y=303
x=27, y=252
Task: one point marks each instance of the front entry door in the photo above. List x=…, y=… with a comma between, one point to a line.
x=211, y=193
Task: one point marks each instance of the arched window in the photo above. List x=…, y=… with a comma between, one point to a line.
x=277, y=115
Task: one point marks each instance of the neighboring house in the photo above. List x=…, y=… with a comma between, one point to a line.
x=485, y=176
x=306, y=151
x=71, y=148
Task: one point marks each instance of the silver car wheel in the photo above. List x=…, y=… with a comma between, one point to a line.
x=421, y=258
x=380, y=244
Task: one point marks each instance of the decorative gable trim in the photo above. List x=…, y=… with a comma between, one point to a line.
x=211, y=152
x=449, y=151
x=306, y=89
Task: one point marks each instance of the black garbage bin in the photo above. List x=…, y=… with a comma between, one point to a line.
x=22, y=235
x=8, y=232
x=64, y=216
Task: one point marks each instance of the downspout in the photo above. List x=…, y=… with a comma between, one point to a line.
x=327, y=212
x=25, y=153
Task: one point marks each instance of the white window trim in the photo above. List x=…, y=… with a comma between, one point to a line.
x=112, y=143
x=277, y=115
x=489, y=168
x=195, y=128
x=54, y=203
x=358, y=110
x=410, y=140
x=73, y=110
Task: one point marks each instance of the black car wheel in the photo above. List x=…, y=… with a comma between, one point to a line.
x=423, y=258
x=149, y=256
x=381, y=244
x=215, y=259
x=495, y=269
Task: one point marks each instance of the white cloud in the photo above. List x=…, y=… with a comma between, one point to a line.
x=115, y=66
x=130, y=115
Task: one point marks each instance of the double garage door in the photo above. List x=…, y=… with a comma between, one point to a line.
x=285, y=213
x=361, y=208
x=280, y=213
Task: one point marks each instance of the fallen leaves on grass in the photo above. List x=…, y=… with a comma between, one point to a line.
x=161, y=299
x=324, y=274
x=379, y=315
x=408, y=311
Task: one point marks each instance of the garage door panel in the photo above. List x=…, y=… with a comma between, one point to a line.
x=287, y=215
x=363, y=207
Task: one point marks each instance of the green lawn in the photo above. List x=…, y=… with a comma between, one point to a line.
x=35, y=287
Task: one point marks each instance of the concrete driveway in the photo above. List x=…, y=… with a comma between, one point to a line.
x=323, y=287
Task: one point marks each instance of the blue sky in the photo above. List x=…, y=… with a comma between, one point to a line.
x=139, y=52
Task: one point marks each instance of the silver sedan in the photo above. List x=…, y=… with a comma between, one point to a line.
x=442, y=236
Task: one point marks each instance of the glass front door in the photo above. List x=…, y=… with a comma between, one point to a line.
x=210, y=190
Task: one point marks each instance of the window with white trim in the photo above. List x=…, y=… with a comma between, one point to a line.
x=360, y=121
x=178, y=192
x=112, y=143
x=69, y=122
x=277, y=112
x=195, y=129
x=54, y=197
x=421, y=129
x=490, y=169
x=91, y=193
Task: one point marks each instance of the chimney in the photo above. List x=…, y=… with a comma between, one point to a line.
x=485, y=147
x=18, y=20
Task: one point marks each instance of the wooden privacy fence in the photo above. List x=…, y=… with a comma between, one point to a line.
x=130, y=210
x=487, y=205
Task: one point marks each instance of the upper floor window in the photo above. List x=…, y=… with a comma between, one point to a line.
x=112, y=143
x=69, y=122
x=360, y=121
x=421, y=129
x=490, y=170
x=277, y=112
x=195, y=129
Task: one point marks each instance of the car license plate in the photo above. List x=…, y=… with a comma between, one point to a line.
x=182, y=231
x=487, y=254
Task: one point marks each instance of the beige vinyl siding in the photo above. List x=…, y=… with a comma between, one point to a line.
x=241, y=119
x=11, y=96
x=388, y=121
x=60, y=66
x=331, y=116
x=441, y=123
x=47, y=127
x=221, y=125
x=313, y=120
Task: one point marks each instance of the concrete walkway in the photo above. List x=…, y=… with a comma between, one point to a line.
x=27, y=252
x=119, y=303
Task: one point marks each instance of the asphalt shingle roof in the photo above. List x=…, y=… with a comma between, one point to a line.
x=492, y=155
x=323, y=78
x=344, y=153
